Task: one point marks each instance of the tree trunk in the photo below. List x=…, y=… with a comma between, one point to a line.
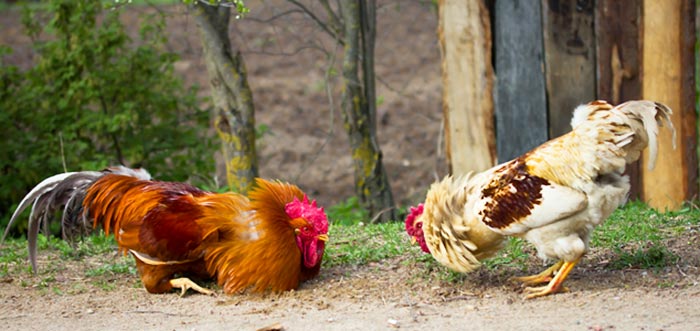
x=521, y=98
x=233, y=100
x=618, y=32
x=359, y=105
x=668, y=38
x=464, y=32
x=569, y=54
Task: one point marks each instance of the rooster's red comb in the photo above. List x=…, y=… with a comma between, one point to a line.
x=309, y=211
x=413, y=213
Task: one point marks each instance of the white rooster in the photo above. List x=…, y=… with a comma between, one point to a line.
x=552, y=196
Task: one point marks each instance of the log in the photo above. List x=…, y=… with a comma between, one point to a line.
x=618, y=53
x=569, y=45
x=521, y=106
x=464, y=32
x=667, y=71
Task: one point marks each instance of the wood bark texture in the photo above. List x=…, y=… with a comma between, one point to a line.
x=569, y=45
x=464, y=32
x=668, y=66
x=618, y=30
x=521, y=103
x=358, y=104
x=234, y=113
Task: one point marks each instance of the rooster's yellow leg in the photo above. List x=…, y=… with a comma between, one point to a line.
x=185, y=283
x=554, y=285
x=542, y=277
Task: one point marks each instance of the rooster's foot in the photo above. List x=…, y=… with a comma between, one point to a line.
x=540, y=291
x=185, y=283
x=543, y=277
x=555, y=285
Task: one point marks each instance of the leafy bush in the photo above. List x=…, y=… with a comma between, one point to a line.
x=96, y=98
x=348, y=212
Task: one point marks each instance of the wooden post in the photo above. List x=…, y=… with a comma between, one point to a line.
x=618, y=54
x=465, y=42
x=667, y=73
x=569, y=45
x=521, y=104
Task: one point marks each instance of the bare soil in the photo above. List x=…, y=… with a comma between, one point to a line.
x=286, y=60
x=398, y=293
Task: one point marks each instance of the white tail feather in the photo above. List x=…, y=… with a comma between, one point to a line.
x=652, y=114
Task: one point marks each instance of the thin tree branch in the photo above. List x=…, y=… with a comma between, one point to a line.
x=320, y=23
x=333, y=19
x=379, y=214
x=276, y=16
x=295, y=52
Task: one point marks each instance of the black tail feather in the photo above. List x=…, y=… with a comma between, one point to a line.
x=62, y=193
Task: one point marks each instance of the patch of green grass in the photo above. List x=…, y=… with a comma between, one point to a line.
x=633, y=223
x=122, y=265
x=91, y=245
x=637, y=223
x=359, y=244
x=13, y=257
x=654, y=257
x=95, y=245
x=512, y=255
x=13, y=251
x=636, y=234
x=53, y=244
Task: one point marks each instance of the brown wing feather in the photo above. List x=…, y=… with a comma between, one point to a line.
x=511, y=195
x=150, y=217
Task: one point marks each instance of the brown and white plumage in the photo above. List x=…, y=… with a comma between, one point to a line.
x=552, y=196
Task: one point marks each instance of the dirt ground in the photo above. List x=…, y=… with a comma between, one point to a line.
x=306, y=144
x=392, y=294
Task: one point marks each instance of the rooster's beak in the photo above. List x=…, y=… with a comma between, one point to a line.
x=322, y=237
x=413, y=240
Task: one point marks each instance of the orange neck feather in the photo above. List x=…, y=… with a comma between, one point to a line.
x=258, y=249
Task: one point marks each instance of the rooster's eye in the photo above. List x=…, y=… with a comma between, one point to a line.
x=305, y=229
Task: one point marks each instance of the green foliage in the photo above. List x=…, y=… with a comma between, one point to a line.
x=96, y=98
x=348, y=212
x=261, y=130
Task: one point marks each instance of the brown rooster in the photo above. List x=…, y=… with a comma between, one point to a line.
x=271, y=240
x=552, y=196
